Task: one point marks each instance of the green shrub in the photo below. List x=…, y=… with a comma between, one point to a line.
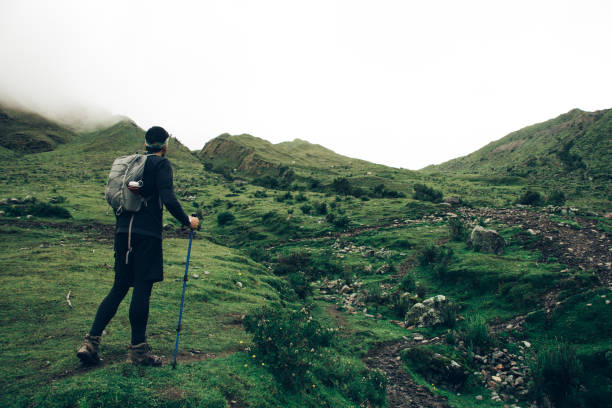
x=300, y=198
x=284, y=197
x=299, y=283
x=425, y=193
x=320, y=208
x=457, y=229
x=225, y=218
x=288, y=342
x=260, y=194
x=341, y=185
x=432, y=254
x=306, y=208
x=557, y=373
x=400, y=304
x=421, y=290
x=36, y=208
x=408, y=282
x=530, y=198
x=556, y=197
x=476, y=332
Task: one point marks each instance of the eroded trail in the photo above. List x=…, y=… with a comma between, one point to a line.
x=402, y=390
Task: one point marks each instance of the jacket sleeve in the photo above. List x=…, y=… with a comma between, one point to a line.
x=166, y=192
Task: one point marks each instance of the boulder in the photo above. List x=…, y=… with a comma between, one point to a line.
x=428, y=313
x=487, y=240
x=452, y=200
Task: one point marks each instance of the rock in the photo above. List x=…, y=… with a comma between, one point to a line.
x=608, y=215
x=195, y=276
x=418, y=337
x=383, y=269
x=345, y=289
x=239, y=284
x=452, y=200
x=479, y=397
x=29, y=216
x=428, y=313
x=2, y=213
x=13, y=200
x=526, y=344
x=368, y=269
x=498, y=354
x=487, y=240
x=519, y=381
x=496, y=378
x=533, y=232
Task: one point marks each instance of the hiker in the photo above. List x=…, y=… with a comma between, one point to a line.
x=138, y=254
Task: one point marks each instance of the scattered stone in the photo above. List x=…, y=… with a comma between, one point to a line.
x=479, y=397
x=195, y=276
x=526, y=344
x=496, y=378
x=239, y=284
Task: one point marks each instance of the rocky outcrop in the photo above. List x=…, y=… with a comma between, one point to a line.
x=430, y=312
x=487, y=240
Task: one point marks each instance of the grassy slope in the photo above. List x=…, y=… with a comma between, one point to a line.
x=68, y=261
x=534, y=153
x=28, y=132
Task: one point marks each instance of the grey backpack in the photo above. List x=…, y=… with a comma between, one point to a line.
x=125, y=169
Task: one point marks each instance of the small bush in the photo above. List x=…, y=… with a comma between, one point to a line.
x=400, y=304
x=530, y=198
x=38, y=209
x=556, y=198
x=432, y=254
x=425, y=193
x=287, y=341
x=320, y=208
x=306, y=208
x=299, y=283
x=300, y=198
x=457, y=229
x=260, y=194
x=421, y=290
x=408, y=283
x=557, y=373
x=476, y=333
x=284, y=197
x=225, y=218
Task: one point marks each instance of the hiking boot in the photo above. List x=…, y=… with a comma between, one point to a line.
x=88, y=352
x=140, y=354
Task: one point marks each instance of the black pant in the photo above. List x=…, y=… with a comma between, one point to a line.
x=139, y=308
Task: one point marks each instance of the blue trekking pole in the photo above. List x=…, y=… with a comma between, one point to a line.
x=178, y=329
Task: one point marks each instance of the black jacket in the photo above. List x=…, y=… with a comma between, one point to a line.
x=157, y=184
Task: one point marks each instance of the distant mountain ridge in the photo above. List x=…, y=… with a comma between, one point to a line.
x=575, y=144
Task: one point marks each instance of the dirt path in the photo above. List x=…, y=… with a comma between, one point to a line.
x=402, y=390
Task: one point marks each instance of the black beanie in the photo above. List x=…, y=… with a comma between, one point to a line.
x=155, y=138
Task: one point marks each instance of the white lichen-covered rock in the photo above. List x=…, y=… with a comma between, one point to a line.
x=487, y=240
x=430, y=312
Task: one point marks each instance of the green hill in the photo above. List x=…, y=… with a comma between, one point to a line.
x=252, y=156
x=28, y=132
x=337, y=273
x=575, y=144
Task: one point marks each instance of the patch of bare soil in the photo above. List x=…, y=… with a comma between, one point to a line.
x=402, y=390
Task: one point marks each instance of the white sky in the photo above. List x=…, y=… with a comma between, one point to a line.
x=403, y=83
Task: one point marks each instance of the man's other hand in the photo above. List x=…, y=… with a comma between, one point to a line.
x=194, y=221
